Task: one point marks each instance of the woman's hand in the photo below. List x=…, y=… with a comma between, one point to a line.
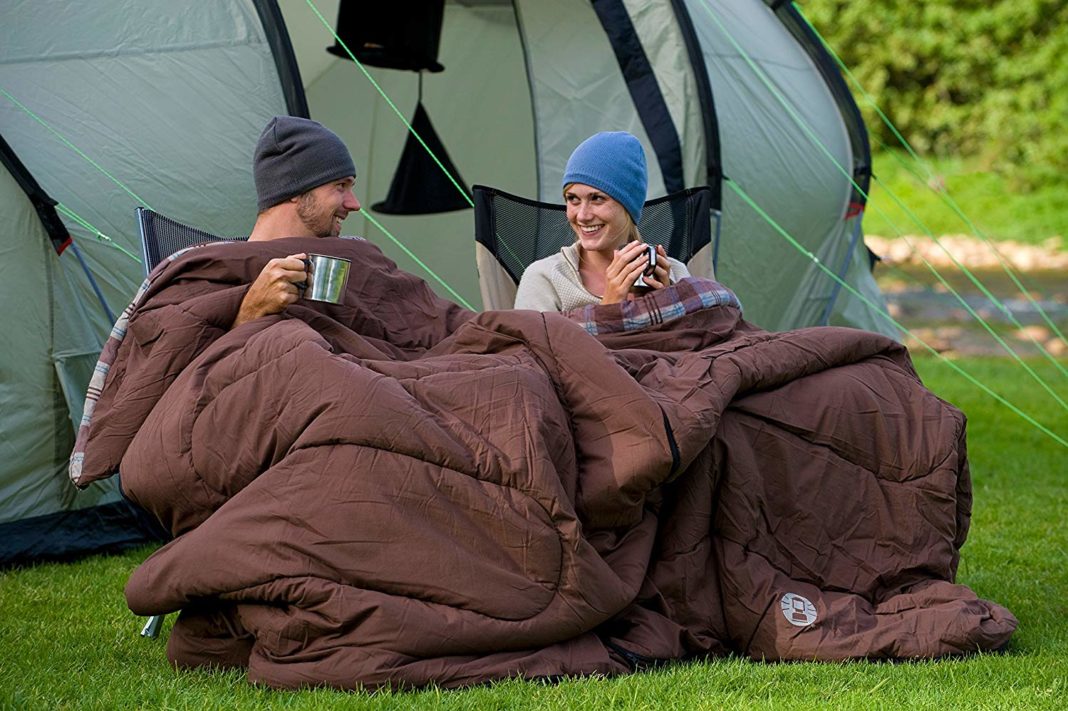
x=628, y=262
x=661, y=275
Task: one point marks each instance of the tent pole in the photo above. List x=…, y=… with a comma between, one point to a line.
x=825, y=318
x=92, y=282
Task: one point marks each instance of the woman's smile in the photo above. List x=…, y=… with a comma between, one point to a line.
x=600, y=223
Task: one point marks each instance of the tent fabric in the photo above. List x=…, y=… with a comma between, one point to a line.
x=774, y=161
x=42, y=204
x=43, y=374
x=644, y=88
x=102, y=527
x=159, y=103
x=575, y=95
x=106, y=109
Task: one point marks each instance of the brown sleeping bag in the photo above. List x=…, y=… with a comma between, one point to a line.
x=400, y=492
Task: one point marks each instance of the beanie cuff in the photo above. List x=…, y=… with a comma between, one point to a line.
x=293, y=188
x=617, y=193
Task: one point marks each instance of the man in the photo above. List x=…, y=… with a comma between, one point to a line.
x=304, y=177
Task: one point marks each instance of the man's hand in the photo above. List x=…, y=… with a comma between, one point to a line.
x=274, y=289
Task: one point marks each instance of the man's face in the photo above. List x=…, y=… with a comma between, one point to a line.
x=322, y=209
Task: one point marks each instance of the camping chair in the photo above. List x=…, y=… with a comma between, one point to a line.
x=511, y=232
x=161, y=237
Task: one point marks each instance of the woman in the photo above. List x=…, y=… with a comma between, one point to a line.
x=604, y=189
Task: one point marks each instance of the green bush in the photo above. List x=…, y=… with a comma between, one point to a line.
x=983, y=79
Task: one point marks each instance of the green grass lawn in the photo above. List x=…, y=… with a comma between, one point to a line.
x=68, y=641
x=990, y=201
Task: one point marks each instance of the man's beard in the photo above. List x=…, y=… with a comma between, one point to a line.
x=311, y=213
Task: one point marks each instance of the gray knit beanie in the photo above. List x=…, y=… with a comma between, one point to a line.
x=295, y=155
x=613, y=162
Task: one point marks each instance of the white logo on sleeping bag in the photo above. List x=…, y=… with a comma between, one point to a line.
x=797, y=610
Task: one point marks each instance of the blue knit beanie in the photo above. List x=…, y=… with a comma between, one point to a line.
x=612, y=161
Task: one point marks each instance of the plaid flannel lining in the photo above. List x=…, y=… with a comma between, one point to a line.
x=660, y=306
x=103, y=365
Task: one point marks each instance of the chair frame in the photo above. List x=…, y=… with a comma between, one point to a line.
x=152, y=253
x=152, y=250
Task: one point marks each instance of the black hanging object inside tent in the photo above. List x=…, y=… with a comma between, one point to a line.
x=420, y=186
x=405, y=34
x=402, y=34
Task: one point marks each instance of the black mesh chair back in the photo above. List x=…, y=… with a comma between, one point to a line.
x=161, y=237
x=517, y=231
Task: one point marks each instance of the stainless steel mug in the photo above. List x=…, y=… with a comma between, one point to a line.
x=327, y=277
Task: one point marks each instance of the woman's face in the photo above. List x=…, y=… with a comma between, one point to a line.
x=601, y=224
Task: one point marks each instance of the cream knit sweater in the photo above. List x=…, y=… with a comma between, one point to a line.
x=553, y=283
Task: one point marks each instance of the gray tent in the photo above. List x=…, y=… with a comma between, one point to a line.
x=109, y=105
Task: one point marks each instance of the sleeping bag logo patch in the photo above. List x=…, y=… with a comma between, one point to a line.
x=797, y=610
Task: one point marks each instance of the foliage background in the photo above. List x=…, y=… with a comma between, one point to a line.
x=979, y=79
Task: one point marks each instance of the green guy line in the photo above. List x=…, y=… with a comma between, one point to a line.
x=968, y=376
x=389, y=101
x=815, y=139
x=502, y=242
x=808, y=131
x=100, y=236
x=416, y=259
x=989, y=329
x=419, y=138
x=945, y=196
x=1005, y=266
x=74, y=148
